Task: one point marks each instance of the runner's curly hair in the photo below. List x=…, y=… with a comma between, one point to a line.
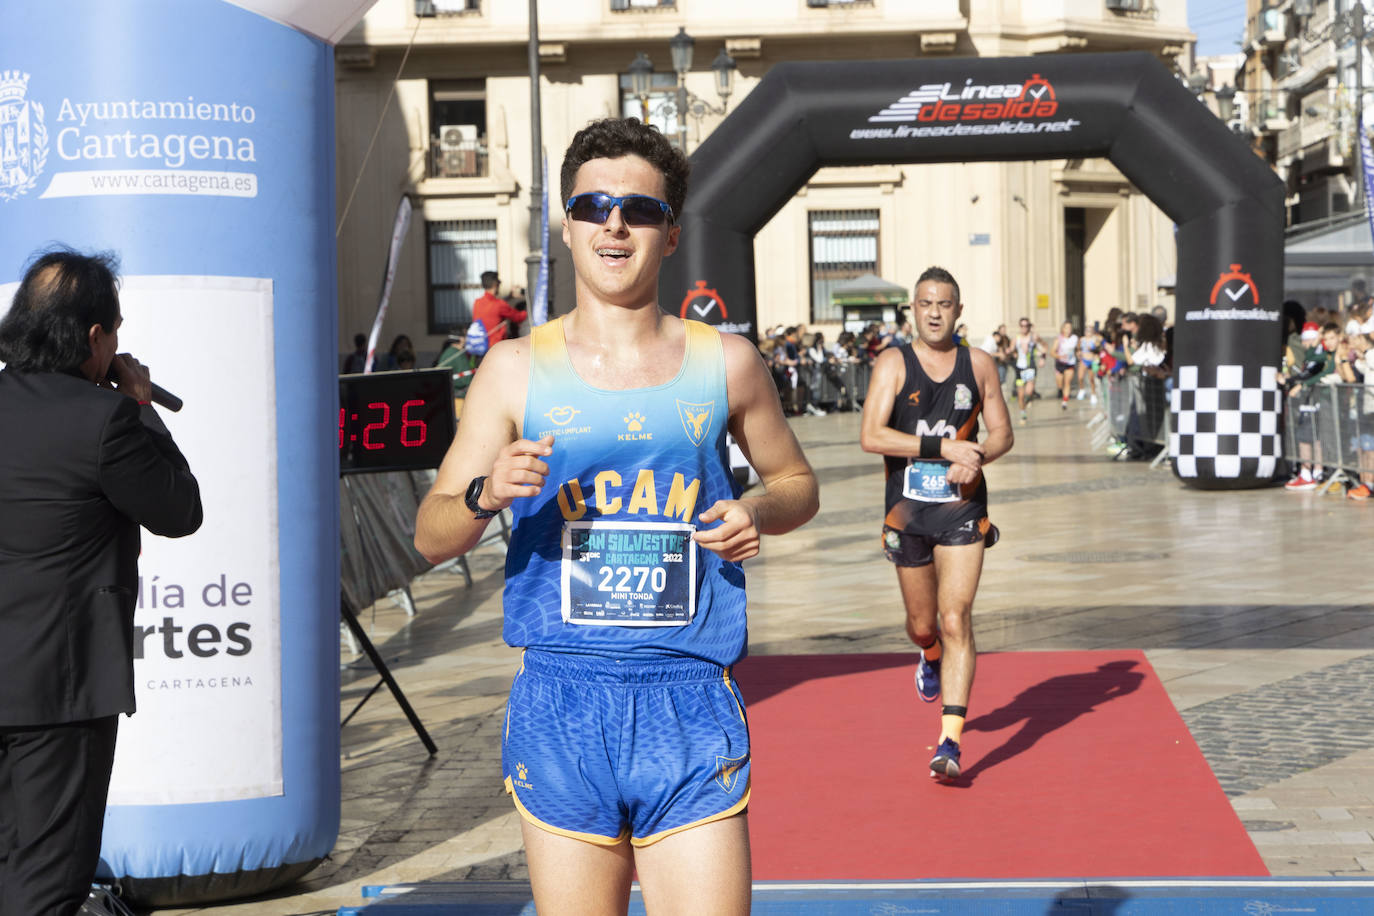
x=612, y=138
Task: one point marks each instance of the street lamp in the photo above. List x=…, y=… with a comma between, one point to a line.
x=682, y=45
x=1226, y=103
x=724, y=66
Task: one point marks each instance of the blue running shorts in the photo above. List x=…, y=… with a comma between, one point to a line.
x=600, y=750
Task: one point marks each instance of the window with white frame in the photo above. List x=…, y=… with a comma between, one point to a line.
x=446, y=7
x=458, y=128
x=661, y=104
x=459, y=250
x=844, y=245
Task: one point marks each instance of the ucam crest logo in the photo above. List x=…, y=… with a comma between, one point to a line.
x=1234, y=284
x=23, y=137
x=696, y=419
x=933, y=102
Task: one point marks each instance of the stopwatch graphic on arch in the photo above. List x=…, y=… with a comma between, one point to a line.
x=1038, y=80
x=700, y=303
x=1234, y=290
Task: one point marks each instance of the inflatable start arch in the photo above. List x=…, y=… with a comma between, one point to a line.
x=195, y=138
x=1226, y=202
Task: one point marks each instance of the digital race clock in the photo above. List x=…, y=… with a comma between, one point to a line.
x=395, y=421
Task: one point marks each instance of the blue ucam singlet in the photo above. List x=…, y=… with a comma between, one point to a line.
x=601, y=561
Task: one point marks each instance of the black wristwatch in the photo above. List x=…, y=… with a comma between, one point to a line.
x=474, y=493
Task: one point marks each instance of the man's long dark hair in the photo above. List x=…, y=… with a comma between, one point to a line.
x=612, y=138
x=62, y=295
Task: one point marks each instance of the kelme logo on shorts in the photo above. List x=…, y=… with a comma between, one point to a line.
x=23, y=137
x=728, y=770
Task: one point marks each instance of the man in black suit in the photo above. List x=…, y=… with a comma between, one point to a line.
x=83, y=463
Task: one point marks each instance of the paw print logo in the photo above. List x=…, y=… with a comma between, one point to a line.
x=635, y=421
x=522, y=772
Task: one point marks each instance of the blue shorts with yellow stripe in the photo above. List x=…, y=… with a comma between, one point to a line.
x=601, y=750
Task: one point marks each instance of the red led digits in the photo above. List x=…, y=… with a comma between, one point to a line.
x=385, y=408
x=408, y=425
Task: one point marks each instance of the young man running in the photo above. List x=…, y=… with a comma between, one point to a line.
x=625, y=745
x=921, y=414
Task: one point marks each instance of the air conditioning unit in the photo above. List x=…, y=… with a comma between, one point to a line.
x=1125, y=6
x=458, y=150
x=455, y=136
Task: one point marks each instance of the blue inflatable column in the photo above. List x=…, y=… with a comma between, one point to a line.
x=195, y=139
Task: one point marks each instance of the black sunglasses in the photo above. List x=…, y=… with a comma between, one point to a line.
x=635, y=209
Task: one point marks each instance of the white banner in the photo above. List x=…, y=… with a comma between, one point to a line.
x=398, y=236
x=208, y=682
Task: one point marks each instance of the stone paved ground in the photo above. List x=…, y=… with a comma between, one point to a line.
x=1250, y=606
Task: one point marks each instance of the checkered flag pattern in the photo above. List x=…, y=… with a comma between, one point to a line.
x=1226, y=422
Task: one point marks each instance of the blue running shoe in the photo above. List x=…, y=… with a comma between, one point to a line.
x=928, y=678
x=945, y=763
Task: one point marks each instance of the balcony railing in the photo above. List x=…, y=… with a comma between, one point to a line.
x=1270, y=27
x=462, y=159
x=618, y=5
x=1269, y=111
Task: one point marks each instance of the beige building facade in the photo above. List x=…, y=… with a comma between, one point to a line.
x=433, y=103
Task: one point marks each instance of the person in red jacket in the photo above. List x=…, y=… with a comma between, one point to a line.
x=494, y=312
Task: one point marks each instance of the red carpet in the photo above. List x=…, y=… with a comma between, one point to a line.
x=1075, y=765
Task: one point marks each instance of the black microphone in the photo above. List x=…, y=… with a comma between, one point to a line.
x=160, y=396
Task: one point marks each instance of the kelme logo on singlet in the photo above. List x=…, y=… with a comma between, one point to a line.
x=696, y=419
x=727, y=771
x=634, y=429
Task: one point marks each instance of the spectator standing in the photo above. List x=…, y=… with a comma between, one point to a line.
x=826, y=366
x=1303, y=402
x=456, y=358
x=496, y=314
x=357, y=360
x=1358, y=368
x=401, y=351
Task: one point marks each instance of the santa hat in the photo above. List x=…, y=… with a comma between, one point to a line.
x=1310, y=331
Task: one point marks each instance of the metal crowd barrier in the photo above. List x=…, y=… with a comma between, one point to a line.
x=844, y=385
x=1134, y=416
x=1331, y=426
